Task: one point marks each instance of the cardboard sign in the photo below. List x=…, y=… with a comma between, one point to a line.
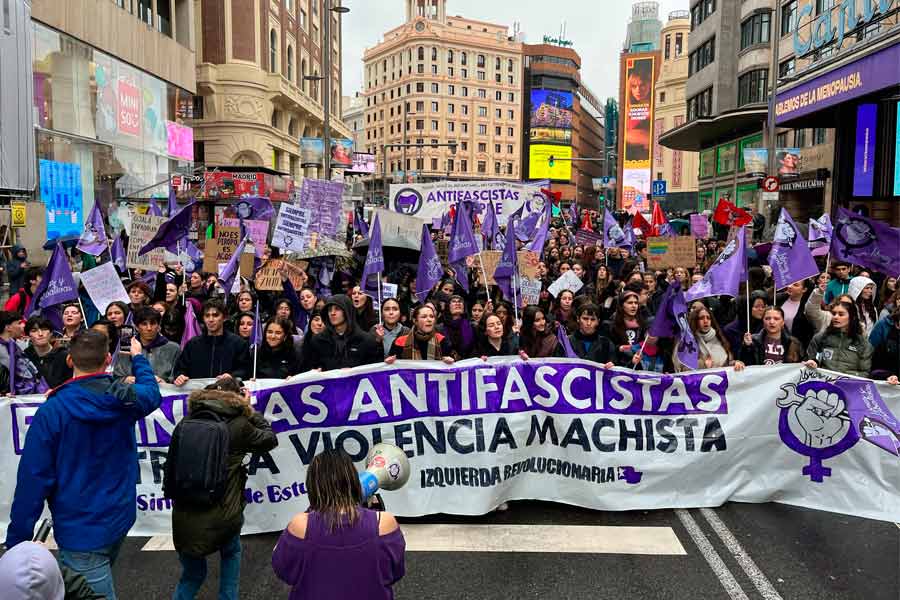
x=103, y=286
x=221, y=249
x=527, y=260
x=671, y=252
x=531, y=291
x=568, y=281
x=143, y=228
x=268, y=278
x=258, y=230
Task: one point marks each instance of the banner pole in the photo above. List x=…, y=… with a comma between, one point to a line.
x=747, y=293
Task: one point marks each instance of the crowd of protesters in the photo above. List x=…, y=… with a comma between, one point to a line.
x=180, y=326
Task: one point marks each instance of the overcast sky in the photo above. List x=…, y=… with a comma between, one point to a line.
x=597, y=28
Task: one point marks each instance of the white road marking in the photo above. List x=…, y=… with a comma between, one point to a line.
x=759, y=579
x=712, y=557
x=661, y=541
x=543, y=538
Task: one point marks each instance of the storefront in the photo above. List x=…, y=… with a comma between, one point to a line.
x=106, y=132
x=858, y=94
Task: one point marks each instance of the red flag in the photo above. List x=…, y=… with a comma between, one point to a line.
x=555, y=197
x=658, y=219
x=641, y=223
x=586, y=222
x=729, y=214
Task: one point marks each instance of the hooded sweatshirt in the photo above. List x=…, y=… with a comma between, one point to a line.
x=80, y=456
x=162, y=354
x=14, y=269
x=332, y=350
x=29, y=572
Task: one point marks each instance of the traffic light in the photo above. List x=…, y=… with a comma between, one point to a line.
x=550, y=160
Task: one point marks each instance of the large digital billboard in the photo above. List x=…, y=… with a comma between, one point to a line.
x=550, y=134
x=637, y=116
x=864, y=153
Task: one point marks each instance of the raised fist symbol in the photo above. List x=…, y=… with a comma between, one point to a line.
x=817, y=418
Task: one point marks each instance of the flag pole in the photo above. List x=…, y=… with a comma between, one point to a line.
x=380, y=300
x=515, y=300
x=255, y=352
x=487, y=292
x=747, y=292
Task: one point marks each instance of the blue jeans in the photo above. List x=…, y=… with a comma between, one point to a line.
x=96, y=566
x=193, y=572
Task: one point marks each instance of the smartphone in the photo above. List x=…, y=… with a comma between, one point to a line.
x=126, y=332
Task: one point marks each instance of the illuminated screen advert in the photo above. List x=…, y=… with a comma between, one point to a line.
x=637, y=137
x=864, y=153
x=539, y=162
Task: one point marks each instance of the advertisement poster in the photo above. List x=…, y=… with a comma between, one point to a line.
x=638, y=115
x=864, y=153
x=129, y=109
x=550, y=132
x=311, y=152
x=363, y=162
x=756, y=161
x=787, y=161
x=341, y=154
x=180, y=141
x=62, y=194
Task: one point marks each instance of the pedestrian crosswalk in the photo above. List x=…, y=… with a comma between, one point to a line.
x=574, y=539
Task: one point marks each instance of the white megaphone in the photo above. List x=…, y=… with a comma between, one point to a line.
x=387, y=468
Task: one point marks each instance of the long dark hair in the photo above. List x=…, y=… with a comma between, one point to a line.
x=854, y=327
x=531, y=339
x=619, y=327
x=694, y=322
x=333, y=487
x=287, y=327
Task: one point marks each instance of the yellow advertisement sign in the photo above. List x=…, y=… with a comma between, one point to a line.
x=539, y=162
x=19, y=213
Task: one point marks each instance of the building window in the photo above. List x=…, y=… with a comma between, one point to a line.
x=434, y=69
x=451, y=90
x=481, y=76
x=450, y=57
x=709, y=7
x=465, y=73
x=434, y=107
x=434, y=54
x=464, y=146
x=668, y=47
x=420, y=106
x=752, y=86
x=462, y=58
x=787, y=68
x=449, y=71
x=465, y=92
x=781, y=140
x=509, y=149
x=497, y=131
x=420, y=124
x=703, y=56
x=482, y=111
x=512, y=97
x=788, y=14
x=482, y=166
x=290, y=63
x=451, y=126
x=303, y=19
x=465, y=128
x=482, y=129
x=496, y=148
x=433, y=164
x=511, y=115
x=700, y=105
x=420, y=69
x=496, y=168
x=451, y=108
x=465, y=109
x=510, y=132
x=420, y=88
x=481, y=61
x=800, y=138
x=435, y=88
x=276, y=117
x=464, y=165
x=450, y=164
x=482, y=147
x=819, y=135
x=755, y=30
x=420, y=53
x=273, y=51
x=434, y=125
x=662, y=97
x=482, y=93
x=679, y=44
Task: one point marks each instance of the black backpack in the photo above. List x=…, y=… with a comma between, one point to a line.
x=196, y=469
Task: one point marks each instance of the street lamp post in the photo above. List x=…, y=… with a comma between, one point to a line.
x=327, y=49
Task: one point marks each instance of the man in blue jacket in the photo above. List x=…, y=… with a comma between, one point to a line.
x=80, y=456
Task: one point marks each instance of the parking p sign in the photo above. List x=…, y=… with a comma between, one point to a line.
x=658, y=187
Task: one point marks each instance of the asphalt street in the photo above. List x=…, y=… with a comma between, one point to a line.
x=735, y=552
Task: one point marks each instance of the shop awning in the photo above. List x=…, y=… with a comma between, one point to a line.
x=706, y=132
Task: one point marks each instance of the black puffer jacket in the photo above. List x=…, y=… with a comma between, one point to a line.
x=201, y=531
x=277, y=363
x=214, y=355
x=331, y=350
x=595, y=347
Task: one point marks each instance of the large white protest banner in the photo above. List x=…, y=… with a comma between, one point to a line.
x=104, y=286
x=481, y=433
x=428, y=201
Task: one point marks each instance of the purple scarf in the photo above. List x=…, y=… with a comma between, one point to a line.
x=461, y=334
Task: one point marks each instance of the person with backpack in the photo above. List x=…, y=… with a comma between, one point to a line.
x=91, y=486
x=205, y=478
x=20, y=301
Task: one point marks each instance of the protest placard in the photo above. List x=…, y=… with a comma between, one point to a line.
x=531, y=290
x=268, y=278
x=568, y=281
x=258, y=230
x=143, y=228
x=671, y=252
x=700, y=226
x=586, y=237
x=292, y=228
x=528, y=263
x=104, y=286
x=222, y=248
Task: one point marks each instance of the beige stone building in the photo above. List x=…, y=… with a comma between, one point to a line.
x=678, y=168
x=443, y=79
x=252, y=57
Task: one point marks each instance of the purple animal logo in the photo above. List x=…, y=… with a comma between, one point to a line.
x=407, y=201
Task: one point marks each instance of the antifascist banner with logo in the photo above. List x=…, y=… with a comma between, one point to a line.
x=429, y=201
x=481, y=433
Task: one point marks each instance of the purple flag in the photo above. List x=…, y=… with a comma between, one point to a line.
x=537, y=243
x=462, y=243
x=526, y=229
x=630, y=238
x=153, y=209
x=256, y=336
x=57, y=285
x=256, y=208
x=359, y=223
x=820, y=231
x=508, y=265
x=173, y=203
x=430, y=269
x=232, y=267
x=563, y=338
x=573, y=214
x=724, y=277
x=790, y=257
x=117, y=253
x=191, y=326
x=374, y=266
x=93, y=239
x=489, y=226
x=671, y=322
x=866, y=242
x=171, y=232
x=613, y=236
x=869, y=415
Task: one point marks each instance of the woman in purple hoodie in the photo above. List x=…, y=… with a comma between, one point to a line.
x=339, y=549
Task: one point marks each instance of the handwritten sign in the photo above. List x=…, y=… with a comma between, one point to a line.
x=700, y=226
x=222, y=248
x=143, y=228
x=258, y=230
x=268, y=278
x=104, y=287
x=292, y=228
x=531, y=291
x=568, y=281
x=671, y=252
